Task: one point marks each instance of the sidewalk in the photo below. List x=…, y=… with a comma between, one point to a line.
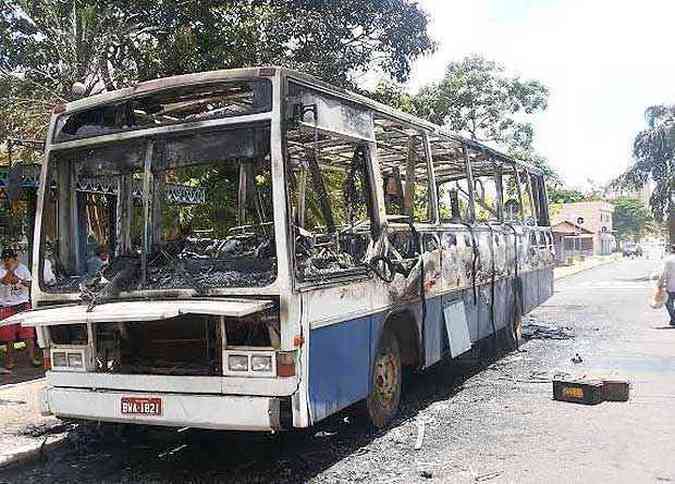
x=24, y=432
x=591, y=262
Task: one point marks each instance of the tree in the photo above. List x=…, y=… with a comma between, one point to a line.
x=632, y=220
x=394, y=95
x=59, y=50
x=653, y=153
x=478, y=99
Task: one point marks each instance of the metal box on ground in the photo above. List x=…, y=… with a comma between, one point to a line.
x=578, y=391
x=615, y=390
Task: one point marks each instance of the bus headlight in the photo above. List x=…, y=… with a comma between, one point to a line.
x=261, y=363
x=69, y=359
x=237, y=362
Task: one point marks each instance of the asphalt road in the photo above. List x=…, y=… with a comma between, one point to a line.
x=488, y=422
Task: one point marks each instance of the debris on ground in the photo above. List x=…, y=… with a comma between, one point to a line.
x=546, y=331
x=42, y=430
x=420, y=435
x=615, y=390
x=588, y=392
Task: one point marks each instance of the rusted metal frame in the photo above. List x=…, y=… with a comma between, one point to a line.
x=542, y=205
x=469, y=178
x=377, y=190
x=302, y=196
x=530, y=194
x=147, y=200
x=433, y=187
x=157, y=199
x=242, y=193
x=500, y=192
x=161, y=130
x=521, y=208
x=410, y=179
x=545, y=201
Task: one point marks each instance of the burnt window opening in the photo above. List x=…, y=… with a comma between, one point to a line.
x=331, y=205
x=529, y=208
x=189, y=211
x=186, y=345
x=176, y=105
x=260, y=330
x=68, y=334
x=540, y=200
x=454, y=202
x=405, y=174
x=511, y=195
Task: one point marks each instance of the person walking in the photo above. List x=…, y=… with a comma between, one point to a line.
x=667, y=282
x=15, y=279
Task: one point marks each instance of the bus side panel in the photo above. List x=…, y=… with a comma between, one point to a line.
x=435, y=334
x=503, y=303
x=530, y=290
x=339, y=366
x=545, y=284
x=471, y=310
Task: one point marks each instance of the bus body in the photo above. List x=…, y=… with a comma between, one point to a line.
x=278, y=249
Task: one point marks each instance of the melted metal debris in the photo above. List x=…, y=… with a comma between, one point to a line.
x=240, y=262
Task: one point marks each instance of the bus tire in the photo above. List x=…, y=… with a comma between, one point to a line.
x=385, y=394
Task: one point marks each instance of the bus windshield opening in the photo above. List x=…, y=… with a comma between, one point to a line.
x=188, y=211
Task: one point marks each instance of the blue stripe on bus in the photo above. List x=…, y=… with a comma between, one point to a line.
x=339, y=366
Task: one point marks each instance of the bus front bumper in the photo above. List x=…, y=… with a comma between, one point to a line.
x=222, y=412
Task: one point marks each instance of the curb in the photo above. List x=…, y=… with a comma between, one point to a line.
x=585, y=268
x=9, y=386
x=29, y=453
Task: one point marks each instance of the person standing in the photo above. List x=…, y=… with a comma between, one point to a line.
x=99, y=260
x=667, y=282
x=15, y=279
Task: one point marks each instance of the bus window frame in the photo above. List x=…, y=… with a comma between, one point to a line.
x=281, y=284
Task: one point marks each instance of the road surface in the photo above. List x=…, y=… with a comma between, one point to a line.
x=493, y=422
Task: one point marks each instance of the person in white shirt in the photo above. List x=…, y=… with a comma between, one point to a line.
x=667, y=282
x=15, y=279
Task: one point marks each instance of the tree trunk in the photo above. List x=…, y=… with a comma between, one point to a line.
x=671, y=225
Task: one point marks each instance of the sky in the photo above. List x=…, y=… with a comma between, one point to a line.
x=604, y=62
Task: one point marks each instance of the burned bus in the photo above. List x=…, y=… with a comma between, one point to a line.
x=255, y=249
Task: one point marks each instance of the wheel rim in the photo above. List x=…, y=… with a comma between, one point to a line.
x=386, y=379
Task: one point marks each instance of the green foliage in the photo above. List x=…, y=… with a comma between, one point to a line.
x=477, y=98
x=653, y=152
x=559, y=194
x=632, y=220
x=394, y=95
x=56, y=50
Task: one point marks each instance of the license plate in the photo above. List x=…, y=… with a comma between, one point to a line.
x=141, y=406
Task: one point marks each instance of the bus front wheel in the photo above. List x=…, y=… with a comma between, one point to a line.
x=385, y=393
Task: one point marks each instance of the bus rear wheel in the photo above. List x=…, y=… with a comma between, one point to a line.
x=385, y=393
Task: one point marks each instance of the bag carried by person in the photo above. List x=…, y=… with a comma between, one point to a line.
x=659, y=298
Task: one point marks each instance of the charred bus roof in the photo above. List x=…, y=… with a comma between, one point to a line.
x=438, y=135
